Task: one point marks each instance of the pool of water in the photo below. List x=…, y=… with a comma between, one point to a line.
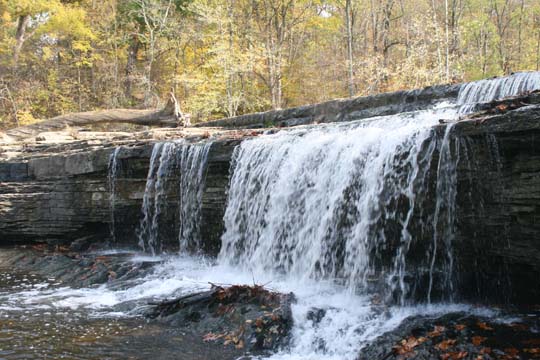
x=42, y=317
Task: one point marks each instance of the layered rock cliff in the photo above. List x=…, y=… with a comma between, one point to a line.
x=60, y=193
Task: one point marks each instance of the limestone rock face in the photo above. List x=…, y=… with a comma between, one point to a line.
x=498, y=219
x=64, y=196
x=59, y=194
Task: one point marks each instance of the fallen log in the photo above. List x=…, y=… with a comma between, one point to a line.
x=170, y=116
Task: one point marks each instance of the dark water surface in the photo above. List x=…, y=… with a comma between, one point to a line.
x=37, y=330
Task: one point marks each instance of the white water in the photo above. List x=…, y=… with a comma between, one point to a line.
x=189, y=160
x=159, y=171
x=488, y=90
x=305, y=214
x=192, y=160
x=312, y=203
x=351, y=321
x=111, y=177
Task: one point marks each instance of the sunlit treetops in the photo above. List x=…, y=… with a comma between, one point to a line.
x=229, y=57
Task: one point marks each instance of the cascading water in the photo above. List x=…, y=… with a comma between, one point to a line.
x=192, y=160
x=161, y=162
x=334, y=213
x=324, y=202
x=488, y=90
x=444, y=216
x=111, y=178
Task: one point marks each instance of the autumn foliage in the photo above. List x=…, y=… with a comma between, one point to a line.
x=226, y=58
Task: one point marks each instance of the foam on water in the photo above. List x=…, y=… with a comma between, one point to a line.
x=305, y=212
x=309, y=203
x=350, y=321
x=488, y=90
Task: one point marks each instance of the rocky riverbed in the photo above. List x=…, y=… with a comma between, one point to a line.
x=100, y=303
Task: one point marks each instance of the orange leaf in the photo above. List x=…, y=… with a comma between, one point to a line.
x=436, y=332
x=459, y=327
x=484, y=326
x=444, y=345
x=477, y=340
x=408, y=345
x=459, y=355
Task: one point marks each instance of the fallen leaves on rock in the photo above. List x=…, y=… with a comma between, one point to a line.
x=478, y=340
x=445, y=344
x=407, y=345
x=484, y=326
x=454, y=355
x=437, y=331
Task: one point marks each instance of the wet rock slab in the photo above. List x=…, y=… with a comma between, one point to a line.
x=460, y=336
x=74, y=269
x=248, y=318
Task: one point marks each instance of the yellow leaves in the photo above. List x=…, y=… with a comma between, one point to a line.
x=5, y=17
x=81, y=45
x=25, y=117
x=33, y=7
x=69, y=21
x=47, y=53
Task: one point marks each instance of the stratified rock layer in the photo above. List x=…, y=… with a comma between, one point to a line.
x=59, y=194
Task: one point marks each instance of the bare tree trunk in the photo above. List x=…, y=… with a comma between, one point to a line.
x=133, y=49
x=538, y=51
x=437, y=35
x=231, y=109
x=447, y=42
x=348, y=23
x=20, y=38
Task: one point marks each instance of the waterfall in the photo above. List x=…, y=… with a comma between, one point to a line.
x=444, y=216
x=488, y=90
x=326, y=201
x=159, y=171
x=338, y=201
x=192, y=160
x=166, y=159
x=111, y=179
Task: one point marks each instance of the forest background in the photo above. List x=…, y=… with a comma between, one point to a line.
x=229, y=57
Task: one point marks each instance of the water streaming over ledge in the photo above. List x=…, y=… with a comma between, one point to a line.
x=488, y=90
x=325, y=202
x=111, y=180
x=330, y=202
x=193, y=165
x=184, y=164
x=314, y=211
